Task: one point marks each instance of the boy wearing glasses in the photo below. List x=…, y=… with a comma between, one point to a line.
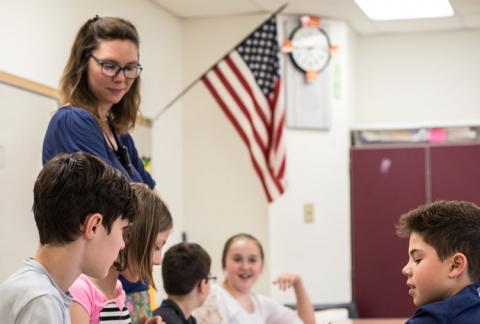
x=185, y=273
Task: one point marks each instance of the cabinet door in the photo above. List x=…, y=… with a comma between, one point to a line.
x=455, y=172
x=385, y=182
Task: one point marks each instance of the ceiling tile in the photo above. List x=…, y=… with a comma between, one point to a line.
x=363, y=27
x=471, y=21
x=467, y=13
x=466, y=6
x=419, y=25
x=207, y=8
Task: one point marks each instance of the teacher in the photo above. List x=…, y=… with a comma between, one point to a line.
x=100, y=97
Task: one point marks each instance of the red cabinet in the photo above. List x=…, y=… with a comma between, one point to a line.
x=385, y=183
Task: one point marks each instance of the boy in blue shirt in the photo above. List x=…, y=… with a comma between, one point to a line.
x=443, y=271
x=81, y=206
x=185, y=273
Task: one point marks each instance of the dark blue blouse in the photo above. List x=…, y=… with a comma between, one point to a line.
x=74, y=129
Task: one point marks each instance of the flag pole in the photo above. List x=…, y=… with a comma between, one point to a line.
x=194, y=82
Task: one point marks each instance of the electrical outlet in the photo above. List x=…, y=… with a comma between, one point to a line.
x=308, y=213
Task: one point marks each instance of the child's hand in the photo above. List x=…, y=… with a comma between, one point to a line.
x=152, y=320
x=287, y=280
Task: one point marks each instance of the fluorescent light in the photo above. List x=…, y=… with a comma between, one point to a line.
x=405, y=9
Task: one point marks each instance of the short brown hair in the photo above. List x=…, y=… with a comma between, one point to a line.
x=183, y=266
x=153, y=217
x=73, y=186
x=74, y=85
x=449, y=227
x=236, y=237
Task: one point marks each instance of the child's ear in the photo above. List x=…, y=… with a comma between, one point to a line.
x=91, y=224
x=203, y=287
x=459, y=265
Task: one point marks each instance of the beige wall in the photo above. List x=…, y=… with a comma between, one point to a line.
x=222, y=195
x=200, y=164
x=418, y=79
x=318, y=172
x=24, y=120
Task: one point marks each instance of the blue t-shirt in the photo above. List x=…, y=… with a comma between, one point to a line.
x=461, y=308
x=74, y=129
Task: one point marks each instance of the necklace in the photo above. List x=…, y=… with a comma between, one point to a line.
x=108, y=134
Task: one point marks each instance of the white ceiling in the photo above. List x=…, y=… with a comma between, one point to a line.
x=467, y=13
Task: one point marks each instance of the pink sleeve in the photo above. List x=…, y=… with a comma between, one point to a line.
x=83, y=294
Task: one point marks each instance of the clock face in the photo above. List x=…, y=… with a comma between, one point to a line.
x=311, y=48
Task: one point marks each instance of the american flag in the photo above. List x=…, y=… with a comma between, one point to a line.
x=246, y=85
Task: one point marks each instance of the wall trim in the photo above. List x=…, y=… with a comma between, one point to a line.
x=44, y=90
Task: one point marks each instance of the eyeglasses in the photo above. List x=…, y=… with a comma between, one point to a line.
x=131, y=71
x=213, y=278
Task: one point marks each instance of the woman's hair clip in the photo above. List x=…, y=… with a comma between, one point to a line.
x=94, y=19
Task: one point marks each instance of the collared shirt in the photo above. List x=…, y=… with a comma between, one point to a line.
x=461, y=308
x=30, y=295
x=266, y=310
x=172, y=314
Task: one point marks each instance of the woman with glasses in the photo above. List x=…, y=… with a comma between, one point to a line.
x=100, y=97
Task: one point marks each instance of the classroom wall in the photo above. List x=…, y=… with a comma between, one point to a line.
x=377, y=81
x=222, y=195
x=418, y=79
x=23, y=114
x=47, y=29
x=221, y=188
x=199, y=161
x=318, y=172
x=36, y=39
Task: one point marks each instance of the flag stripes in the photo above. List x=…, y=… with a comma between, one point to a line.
x=249, y=112
x=246, y=85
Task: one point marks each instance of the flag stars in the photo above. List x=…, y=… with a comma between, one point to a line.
x=260, y=52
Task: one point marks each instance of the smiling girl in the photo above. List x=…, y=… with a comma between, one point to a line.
x=242, y=261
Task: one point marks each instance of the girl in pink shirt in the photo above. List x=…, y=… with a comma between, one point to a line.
x=100, y=308
x=104, y=300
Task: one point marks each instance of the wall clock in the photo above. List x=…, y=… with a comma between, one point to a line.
x=309, y=47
